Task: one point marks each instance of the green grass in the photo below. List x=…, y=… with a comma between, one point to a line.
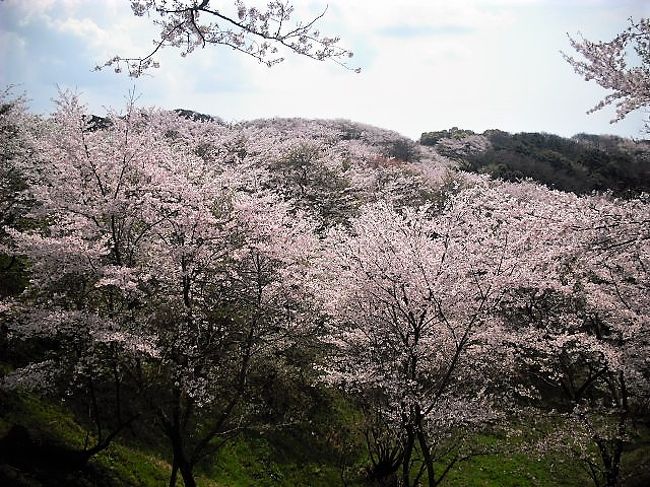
x=49, y=423
x=251, y=461
x=309, y=454
x=258, y=462
x=516, y=471
x=294, y=457
x=43, y=418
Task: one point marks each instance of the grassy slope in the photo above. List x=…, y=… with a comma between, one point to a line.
x=254, y=461
x=283, y=459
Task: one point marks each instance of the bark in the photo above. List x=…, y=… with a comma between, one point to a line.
x=406, y=462
x=428, y=461
x=180, y=462
x=187, y=473
x=174, y=474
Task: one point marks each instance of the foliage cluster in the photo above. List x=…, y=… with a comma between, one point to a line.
x=432, y=138
x=207, y=288
x=581, y=164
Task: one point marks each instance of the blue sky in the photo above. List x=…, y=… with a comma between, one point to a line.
x=426, y=64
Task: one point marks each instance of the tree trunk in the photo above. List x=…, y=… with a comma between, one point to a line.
x=406, y=462
x=428, y=461
x=187, y=474
x=172, y=478
x=613, y=469
x=180, y=463
x=611, y=478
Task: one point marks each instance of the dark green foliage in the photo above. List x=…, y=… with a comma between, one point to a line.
x=432, y=138
x=305, y=177
x=94, y=122
x=196, y=116
x=401, y=149
x=12, y=275
x=582, y=164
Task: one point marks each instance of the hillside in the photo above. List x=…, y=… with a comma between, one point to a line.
x=289, y=302
x=581, y=164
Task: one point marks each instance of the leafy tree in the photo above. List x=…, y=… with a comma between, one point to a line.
x=432, y=138
x=16, y=146
x=581, y=164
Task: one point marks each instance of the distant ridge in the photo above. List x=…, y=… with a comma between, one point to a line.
x=581, y=164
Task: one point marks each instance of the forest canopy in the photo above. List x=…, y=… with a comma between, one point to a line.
x=172, y=277
x=581, y=164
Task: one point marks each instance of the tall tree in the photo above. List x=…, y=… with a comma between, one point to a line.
x=582, y=341
x=412, y=298
x=150, y=270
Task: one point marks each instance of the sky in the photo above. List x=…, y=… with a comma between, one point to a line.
x=425, y=64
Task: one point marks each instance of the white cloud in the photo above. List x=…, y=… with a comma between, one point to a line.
x=35, y=10
x=370, y=15
x=85, y=28
x=426, y=64
x=11, y=42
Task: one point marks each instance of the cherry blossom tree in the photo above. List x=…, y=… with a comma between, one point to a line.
x=460, y=148
x=230, y=320
x=584, y=340
x=84, y=227
x=162, y=280
x=259, y=33
x=412, y=297
x=611, y=65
